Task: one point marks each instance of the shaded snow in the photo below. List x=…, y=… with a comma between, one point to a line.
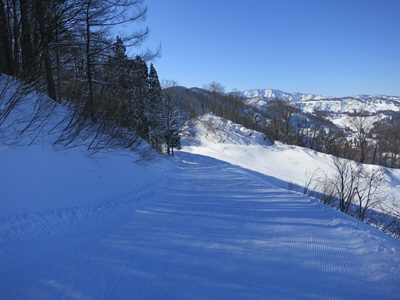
x=208, y=230
x=39, y=178
x=216, y=222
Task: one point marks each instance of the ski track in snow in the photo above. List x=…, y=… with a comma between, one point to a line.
x=207, y=230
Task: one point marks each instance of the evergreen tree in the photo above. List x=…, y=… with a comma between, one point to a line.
x=119, y=50
x=131, y=96
x=140, y=97
x=115, y=94
x=156, y=110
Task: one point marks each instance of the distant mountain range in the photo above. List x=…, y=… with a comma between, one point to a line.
x=313, y=102
x=271, y=93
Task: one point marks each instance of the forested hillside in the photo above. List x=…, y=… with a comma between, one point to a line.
x=76, y=54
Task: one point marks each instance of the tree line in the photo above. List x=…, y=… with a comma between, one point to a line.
x=71, y=51
x=350, y=186
x=364, y=140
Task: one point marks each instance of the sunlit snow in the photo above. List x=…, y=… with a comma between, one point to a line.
x=215, y=222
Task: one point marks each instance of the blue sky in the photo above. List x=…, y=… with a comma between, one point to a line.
x=327, y=47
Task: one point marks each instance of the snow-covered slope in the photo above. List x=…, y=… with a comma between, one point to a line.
x=40, y=178
x=218, y=130
x=45, y=181
x=286, y=164
x=312, y=102
x=209, y=230
x=212, y=223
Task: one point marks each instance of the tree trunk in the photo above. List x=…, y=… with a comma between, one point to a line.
x=90, y=104
x=6, y=58
x=16, y=38
x=26, y=42
x=51, y=89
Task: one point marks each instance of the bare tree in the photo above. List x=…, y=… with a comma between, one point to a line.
x=362, y=126
x=236, y=107
x=389, y=142
x=215, y=87
x=369, y=193
x=98, y=18
x=356, y=190
x=215, y=95
x=302, y=130
x=40, y=13
x=344, y=180
x=310, y=178
x=280, y=114
x=171, y=115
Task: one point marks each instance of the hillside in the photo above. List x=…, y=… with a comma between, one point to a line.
x=217, y=221
x=107, y=224
x=221, y=139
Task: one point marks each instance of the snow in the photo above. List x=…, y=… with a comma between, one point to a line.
x=286, y=164
x=53, y=179
x=273, y=93
x=310, y=103
x=215, y=222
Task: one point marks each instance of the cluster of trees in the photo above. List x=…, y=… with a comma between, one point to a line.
x=71, y=51
x=279, y=120
x=386, y=150
x=213, y=99
x=283, y=121
x=351, y=186
x=365, y=140
x=63, y=41
x=356, y=190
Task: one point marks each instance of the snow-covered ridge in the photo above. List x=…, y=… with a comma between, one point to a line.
x=272, y=93
x=312, y=102
x=210, y=128
x=296, y=97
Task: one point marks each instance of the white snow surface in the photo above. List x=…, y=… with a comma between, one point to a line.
x=215, y=222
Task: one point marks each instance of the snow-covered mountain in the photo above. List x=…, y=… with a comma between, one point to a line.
x=273, y=93
x=311, y=102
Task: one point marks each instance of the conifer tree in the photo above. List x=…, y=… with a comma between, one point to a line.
x=156, y=110
x=140, y=97
x=117, y=83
